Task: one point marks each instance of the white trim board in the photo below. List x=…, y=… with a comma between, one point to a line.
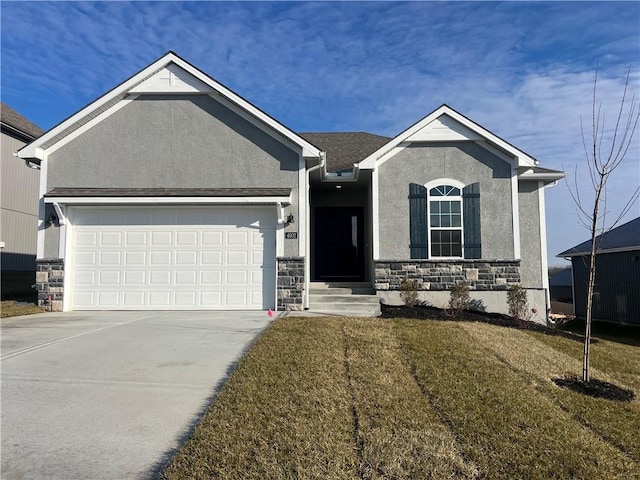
x=34, y=150
x=465, y=129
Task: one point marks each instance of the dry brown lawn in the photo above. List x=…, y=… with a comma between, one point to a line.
x=341, y=398
x=11, y=308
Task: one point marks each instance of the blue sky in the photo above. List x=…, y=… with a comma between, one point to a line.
x=523, y=70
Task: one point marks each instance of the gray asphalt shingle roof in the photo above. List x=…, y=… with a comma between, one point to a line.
x=345, y=148
x=624, y=236
x=16, y=121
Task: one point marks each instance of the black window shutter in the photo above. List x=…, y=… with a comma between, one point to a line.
x=471, y=212
x=418, y=220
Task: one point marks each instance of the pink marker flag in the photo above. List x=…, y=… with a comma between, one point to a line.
x=270, y=313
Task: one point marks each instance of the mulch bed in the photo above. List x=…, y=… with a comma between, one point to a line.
x=595, y=388
x=423, y=312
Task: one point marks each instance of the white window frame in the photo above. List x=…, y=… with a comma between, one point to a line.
x=440, y=183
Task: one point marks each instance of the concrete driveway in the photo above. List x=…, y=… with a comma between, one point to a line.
x=111, y=394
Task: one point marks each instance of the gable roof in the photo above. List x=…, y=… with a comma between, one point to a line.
x=446, y=124
x=169, y=74
x=344, y=149
x=17, y=123
x=623, y=238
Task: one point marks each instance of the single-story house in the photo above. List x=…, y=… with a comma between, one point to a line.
x=19, y=206
x=171, y=191
x=616, y=295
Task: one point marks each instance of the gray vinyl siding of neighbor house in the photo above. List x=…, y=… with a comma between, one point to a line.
x=617, y=287
x=185, y=141
x=19, y=206
x=466, y=162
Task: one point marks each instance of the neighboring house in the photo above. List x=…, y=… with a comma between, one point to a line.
x=561, y=285
x=616, y=295
x=19, y=204
x=173, y=192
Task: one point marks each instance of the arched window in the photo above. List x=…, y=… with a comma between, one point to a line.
x=445, y=221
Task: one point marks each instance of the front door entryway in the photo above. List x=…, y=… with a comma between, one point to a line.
x=339, y=244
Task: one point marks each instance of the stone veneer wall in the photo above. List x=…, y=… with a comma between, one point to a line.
x=290, y=283
x=50, y=283
x=438, y=275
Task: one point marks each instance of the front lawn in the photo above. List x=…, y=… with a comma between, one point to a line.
x=338, y=398
x=11, y=308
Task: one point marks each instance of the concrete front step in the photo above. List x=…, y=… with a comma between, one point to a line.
x=321, y=299
x=341, y=288
x=355, y=299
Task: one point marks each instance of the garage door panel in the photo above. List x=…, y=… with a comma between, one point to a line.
x=159, y=299
x=160, y=277
x=135, y=257
x=136, y=239
x=187, y=238
x=186, y=277
x=185, y=299
x=108, y=299
x=211, y=257
x=170, y=257
x=109, y=277
x=161, y=238
x=110, y=258
x=160, y=258
x=211, y=277
x=135, y=277
x=134, y=299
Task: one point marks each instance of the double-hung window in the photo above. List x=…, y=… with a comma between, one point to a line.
x=445, y=221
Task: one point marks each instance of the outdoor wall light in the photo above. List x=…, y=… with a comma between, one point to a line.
x=290, y=218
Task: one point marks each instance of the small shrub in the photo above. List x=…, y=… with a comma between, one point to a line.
x=459, y=299
x=409, y=291
x=517, y=302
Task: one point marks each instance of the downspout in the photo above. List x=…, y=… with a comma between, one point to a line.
x=307, y=236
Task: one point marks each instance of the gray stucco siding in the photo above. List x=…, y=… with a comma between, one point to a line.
x=466, y=162
x=184, y=141
x=530, y=242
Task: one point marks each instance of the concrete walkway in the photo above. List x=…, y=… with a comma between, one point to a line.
x=110, y=395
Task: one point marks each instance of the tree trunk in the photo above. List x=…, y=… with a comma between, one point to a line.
x=591, y=283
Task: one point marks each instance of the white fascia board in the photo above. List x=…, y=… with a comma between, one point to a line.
x=169, y=200
x=90, y=124
x=307, y=148
x=545, y=177
x=543, y=243
x=601, y=251
x=44, y=164
x=33, y=149
x=376, y=157
x=515, y=207
x=303, y=217
x=375, y=214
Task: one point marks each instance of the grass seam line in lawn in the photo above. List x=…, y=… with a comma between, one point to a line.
x=411, y=367
x=357, y=435
x=544, y=389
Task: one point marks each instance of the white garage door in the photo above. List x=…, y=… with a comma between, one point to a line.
x=156, y=258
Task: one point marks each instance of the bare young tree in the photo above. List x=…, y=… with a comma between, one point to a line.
x=604, y=153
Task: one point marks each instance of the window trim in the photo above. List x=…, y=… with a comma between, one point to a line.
x=438, y=183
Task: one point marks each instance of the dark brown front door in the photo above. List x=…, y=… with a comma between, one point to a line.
x=339, y=244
